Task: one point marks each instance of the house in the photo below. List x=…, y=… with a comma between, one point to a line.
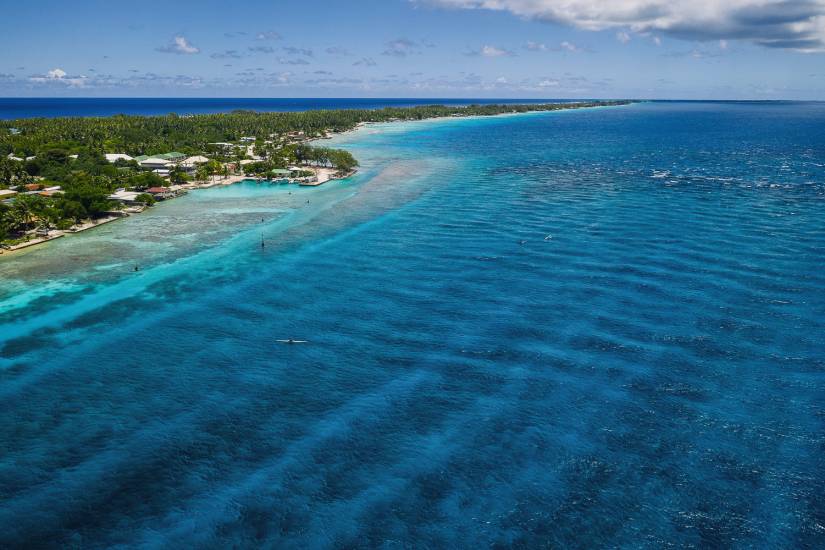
x=281, y=173
x=223, y=145
x=6, y=194
x=248, y=139
x=12, y=157
x=114, y=157
x=173, y=157
x=126, y=197
x=51, y=191
x=161, y=193
x=154, y=163
x=193, y=162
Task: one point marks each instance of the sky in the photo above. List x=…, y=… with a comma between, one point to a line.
x=667, y=49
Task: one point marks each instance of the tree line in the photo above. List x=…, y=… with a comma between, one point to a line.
x=69, y=151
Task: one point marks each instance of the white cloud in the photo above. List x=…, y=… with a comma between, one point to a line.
x=623, y=37
x=535, y=47
x=401, y=47
x=789, y=24
x=492, y=51
x=570, y=47
x=59, y=77
x=365, y=62
x=179, y=45
x=268, y=35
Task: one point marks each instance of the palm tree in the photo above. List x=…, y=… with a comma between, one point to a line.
x=177, y=175
x=22, y=213
x=201, y=173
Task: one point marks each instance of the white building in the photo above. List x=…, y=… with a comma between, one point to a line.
x=194, y=162
x=114, y=157
x=154, y=163
x=124, y=196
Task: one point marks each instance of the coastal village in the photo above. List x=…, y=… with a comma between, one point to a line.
x=66, y=175
x=174, y=174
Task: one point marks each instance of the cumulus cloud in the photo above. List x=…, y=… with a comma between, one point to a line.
x=262, y=49
x=400, y=47
x=293, y=61
x=337, y=50
x=268, y=35
x=788, y=24
x=59, y=77
x=298, y=51
x=490, y=51
x=226, y=54
x=365, y=62
x=179, y=45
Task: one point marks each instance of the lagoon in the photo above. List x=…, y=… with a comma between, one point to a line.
x=591, y=327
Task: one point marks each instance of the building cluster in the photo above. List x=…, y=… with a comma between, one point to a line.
x=162, y=164
x=7, y=195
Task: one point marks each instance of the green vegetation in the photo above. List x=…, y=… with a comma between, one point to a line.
x=146, y=135
x=323, y=156
x=69, y=152
x=86, y=183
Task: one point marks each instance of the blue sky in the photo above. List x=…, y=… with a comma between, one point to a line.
x=736, y=49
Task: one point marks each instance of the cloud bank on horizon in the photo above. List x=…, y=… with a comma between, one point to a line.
x=788, y=24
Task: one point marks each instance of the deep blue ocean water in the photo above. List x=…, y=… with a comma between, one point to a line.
x=50, y=107
x=594, y=328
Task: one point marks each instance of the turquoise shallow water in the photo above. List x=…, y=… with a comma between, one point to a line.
x=590, y=328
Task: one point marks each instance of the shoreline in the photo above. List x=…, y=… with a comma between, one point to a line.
x=232, y=180
x=366, y=124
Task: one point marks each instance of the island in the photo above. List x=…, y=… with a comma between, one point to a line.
x=64, y=175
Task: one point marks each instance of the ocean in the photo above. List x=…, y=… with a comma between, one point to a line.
x=50, y=107
x=590, y=328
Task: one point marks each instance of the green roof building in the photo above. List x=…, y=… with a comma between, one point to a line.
x=173, y=156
